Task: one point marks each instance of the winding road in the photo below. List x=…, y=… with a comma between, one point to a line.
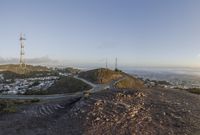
x=95, y=88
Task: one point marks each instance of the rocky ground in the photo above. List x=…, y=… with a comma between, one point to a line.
x=109, y=112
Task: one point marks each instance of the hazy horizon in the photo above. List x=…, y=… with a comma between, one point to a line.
x=140, y=33
x=46, y=61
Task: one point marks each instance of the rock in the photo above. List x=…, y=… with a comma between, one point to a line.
x=97, y=119
x=140, y=94
x=82, y=111
x=164, y=113
x=98, y=103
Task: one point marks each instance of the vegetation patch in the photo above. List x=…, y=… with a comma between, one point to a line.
x=11, y=71
x=194, y=90
x=10, y=109
x=12, y=106
x=12, y=75
x=36, y=92
x=15, y=68
x=35, y=100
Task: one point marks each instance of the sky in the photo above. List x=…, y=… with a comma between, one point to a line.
x=140, y=33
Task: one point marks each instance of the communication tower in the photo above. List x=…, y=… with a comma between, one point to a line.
x=22, y=64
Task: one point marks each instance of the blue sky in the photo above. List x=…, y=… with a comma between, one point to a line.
x=156, y=33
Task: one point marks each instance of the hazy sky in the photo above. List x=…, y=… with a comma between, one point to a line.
x=138, y=32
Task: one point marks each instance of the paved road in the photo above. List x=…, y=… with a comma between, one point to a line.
x=41, y=97
x=85, y=81
x=98, y=87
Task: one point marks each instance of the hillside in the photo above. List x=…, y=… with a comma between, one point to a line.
x=104, y=76
x=125, y=109
x=62, y=86
x=129, y=82
x=71, y=70
x=100, y=76
x=68, y=70
x=15, y=68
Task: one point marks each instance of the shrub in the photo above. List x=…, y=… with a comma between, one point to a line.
x=10, y=109
x=34, y=100
x=194, y=90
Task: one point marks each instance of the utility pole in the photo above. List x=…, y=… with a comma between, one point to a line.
x=106, y=63
x=116, y=64
x=22, y=65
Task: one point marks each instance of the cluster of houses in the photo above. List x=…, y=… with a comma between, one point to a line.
x=20, y=86
x=180, y=84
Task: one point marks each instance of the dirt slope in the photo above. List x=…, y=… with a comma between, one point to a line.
x=121, y=112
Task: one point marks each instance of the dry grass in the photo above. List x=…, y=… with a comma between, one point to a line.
x=101, y=76
x=129, y=83
x=11, y=106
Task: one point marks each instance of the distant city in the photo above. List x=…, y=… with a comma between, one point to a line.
x=176, y=77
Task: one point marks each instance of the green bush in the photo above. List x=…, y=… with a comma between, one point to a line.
x=11, y=106
x=194, y=90
x=10, y=109
x=36, y=92
x=34, y=100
